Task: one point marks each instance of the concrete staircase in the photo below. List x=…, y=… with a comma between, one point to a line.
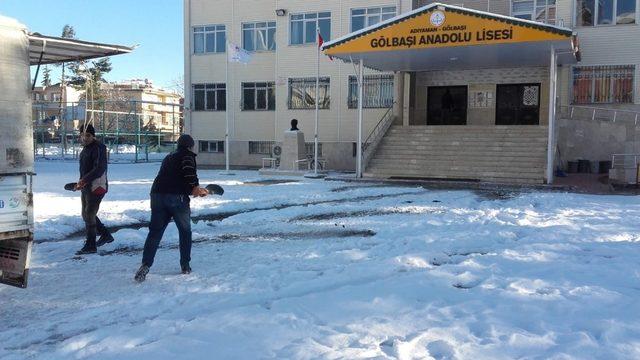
x=501, y=154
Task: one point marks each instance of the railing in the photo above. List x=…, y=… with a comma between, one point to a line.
x=370, y=144
x=132, y=130
x=598, y=113
x=625, y=161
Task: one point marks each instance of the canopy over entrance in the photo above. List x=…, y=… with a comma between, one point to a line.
x=439, y=37
x=50, y=50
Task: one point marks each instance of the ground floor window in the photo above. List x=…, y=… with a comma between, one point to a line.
x=518, y=104
x=447, y=105
x=310, y=149
x=258, y=96
x=209, y=97
x=302, y=93
x=377, y=91
x=260, y=147
x=603, y=84
x=211, y=146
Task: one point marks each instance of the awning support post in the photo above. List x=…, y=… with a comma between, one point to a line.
x=359, y=147
x=553, y=77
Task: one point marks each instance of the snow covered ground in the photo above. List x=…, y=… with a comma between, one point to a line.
x=316, y=269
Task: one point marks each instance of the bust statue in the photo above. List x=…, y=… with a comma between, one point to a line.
x=294, y=125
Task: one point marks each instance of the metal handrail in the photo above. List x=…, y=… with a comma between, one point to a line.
x=633, y=115
x=622, y=161
x=376, y=135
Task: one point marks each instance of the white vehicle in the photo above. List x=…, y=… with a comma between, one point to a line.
x=18, y=50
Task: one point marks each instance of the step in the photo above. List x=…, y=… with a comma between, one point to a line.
x=474, y=171
x=529, y=161
x=514, y=180
x=539, y=177
x=495, y=151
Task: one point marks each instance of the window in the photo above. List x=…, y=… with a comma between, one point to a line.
x=309, y=149
x=303, y=27
x=377, y=91
x=209, y=39
x=536, y=10
x=603, y=84
x=211, y=146
x=57, y=97
x=605, y=12
x=260, y=147
x=258, y=96
x=302, y=93
x=209, y=97
x=259, y=36
x=362, y=18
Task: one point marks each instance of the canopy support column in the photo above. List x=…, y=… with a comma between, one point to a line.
x=359, y=147
x=553, y=77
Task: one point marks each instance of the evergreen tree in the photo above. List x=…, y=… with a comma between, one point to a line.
x=46, y=76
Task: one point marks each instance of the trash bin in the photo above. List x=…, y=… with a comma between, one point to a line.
x=572, y=167
x=584, y=166
x=604, y=167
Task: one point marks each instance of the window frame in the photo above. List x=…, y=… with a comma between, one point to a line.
x=634, y=69
x=366, y=15
x=195, y=30
x=261, y=146
x=268, y=26
x=576, y=15
x=215, y=88
x=534, y=10
x=270, y=85
x=312, y=81
x=304, y=20
x=352, y=99
x=219, y=146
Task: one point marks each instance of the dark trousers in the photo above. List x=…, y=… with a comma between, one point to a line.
x=164, y=207
x=90, y=207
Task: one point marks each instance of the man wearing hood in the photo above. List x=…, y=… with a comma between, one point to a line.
x=176, y=180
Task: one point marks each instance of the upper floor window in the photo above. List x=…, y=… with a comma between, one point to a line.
x=259, y=36
x=361, y=18
x=302, y=93
x=377, y=91
x=303, y=27
x=258, y=96
x=603, y=84
x=209, y=39
x=605, y=12
x=537, y=10
x=211, y=97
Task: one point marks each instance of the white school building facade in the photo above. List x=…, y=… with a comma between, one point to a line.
x=449, y=108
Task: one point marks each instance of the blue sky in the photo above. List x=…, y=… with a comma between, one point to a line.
x=156, y=25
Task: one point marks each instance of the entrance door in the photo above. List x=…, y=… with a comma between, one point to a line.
x=447, y=105
x=518, y=104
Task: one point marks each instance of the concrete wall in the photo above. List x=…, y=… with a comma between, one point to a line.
x=480, y=80
x=596, y=140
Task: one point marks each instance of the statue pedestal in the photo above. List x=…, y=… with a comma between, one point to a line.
x=292, y=150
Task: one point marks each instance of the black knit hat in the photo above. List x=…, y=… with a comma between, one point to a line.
x=88, y=128
x=186, y=141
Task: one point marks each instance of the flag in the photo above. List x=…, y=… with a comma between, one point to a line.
x=320, y=42
x=238, y=54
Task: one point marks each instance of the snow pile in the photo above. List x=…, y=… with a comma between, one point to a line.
x=300, y=268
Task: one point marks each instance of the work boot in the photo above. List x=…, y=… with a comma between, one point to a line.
x=104, y=239
x=88, y=248
x=141, y=275
x=186, y=269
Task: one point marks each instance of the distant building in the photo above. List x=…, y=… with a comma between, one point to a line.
x=158, y=109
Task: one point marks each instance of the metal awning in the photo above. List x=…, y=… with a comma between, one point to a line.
x=446, y=37
x=50, y=49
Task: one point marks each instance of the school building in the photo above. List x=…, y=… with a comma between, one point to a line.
x=490, y=90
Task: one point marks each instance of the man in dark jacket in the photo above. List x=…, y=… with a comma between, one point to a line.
x=176, y=180
x=93, y=185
